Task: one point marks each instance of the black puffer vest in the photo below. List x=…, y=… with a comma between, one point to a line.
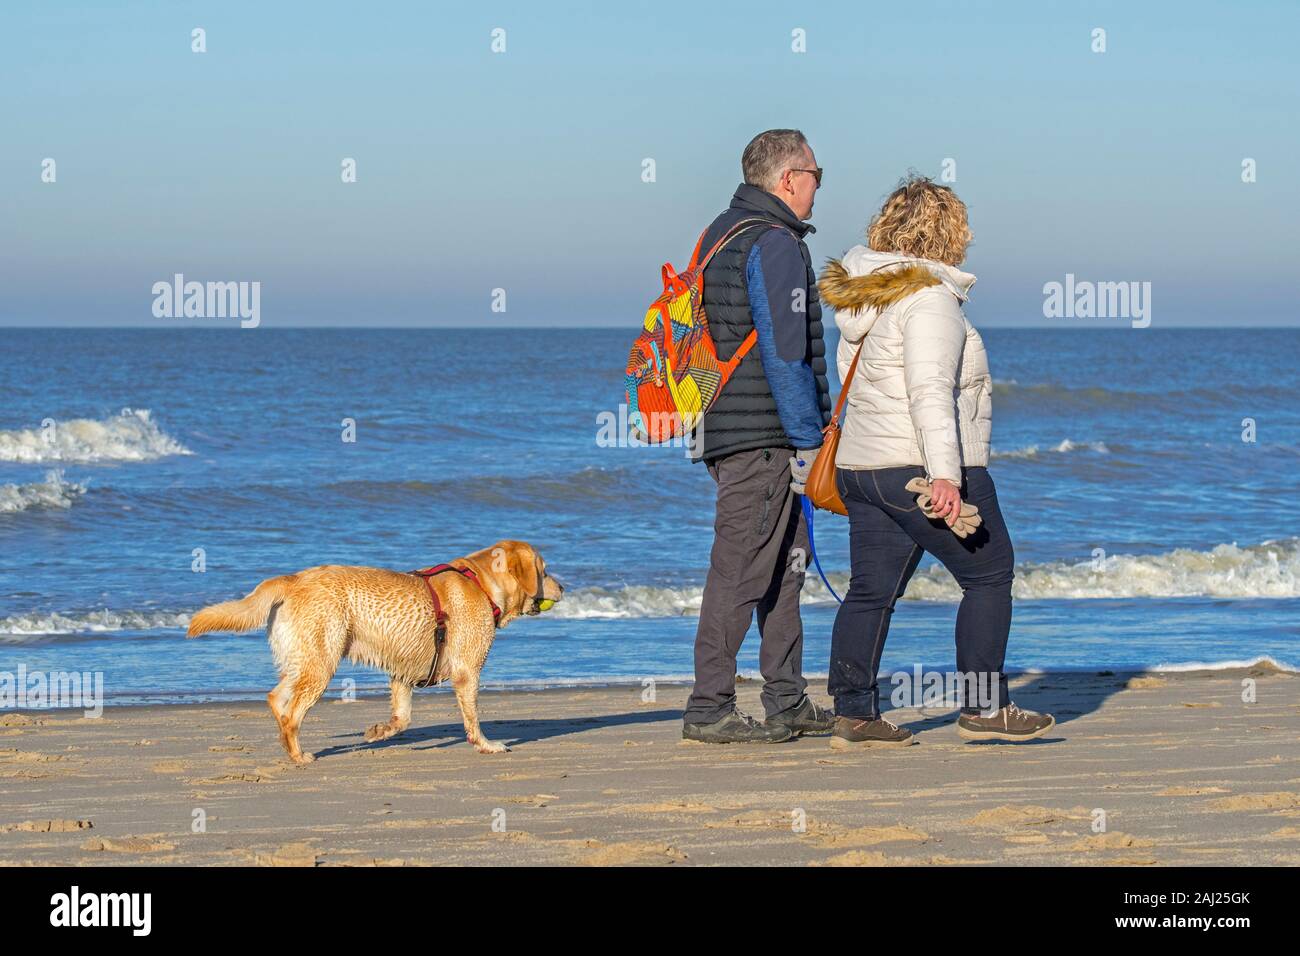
x=744, y=414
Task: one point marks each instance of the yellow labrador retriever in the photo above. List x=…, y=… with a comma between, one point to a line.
x=388, y=620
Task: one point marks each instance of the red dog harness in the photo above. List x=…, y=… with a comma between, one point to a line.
x=440, y=633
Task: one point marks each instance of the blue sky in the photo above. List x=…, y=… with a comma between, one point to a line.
x=522, y=170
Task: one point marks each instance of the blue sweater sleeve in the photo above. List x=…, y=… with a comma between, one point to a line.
x=774, y=272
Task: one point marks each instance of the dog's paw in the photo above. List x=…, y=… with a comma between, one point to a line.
x=491, y=747
x=378, y=732
x=303, y=759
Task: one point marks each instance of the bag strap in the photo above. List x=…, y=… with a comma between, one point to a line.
x=726, y=238
x=740, y=353
x=844, y=389
x=695, y=267
x=732, y=363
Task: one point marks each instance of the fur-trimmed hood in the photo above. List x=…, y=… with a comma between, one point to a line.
x=865, y=283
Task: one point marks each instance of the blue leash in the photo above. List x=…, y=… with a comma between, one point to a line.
x=812, y=547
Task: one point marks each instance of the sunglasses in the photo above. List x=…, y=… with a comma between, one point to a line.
x=816, y=173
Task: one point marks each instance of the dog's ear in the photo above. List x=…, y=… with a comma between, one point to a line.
x=526, y=570
x=511, y=562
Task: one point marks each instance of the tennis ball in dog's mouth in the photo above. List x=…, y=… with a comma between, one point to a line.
x=545, y=604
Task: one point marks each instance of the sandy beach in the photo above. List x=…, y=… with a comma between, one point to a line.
x=1184, y=770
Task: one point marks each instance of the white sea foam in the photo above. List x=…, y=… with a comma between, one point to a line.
x=1268, y=570
x=634, y=600
x=130, y=436
x=18, y=627
x=1230, y=665
x=53, y=492
x=1066, y=446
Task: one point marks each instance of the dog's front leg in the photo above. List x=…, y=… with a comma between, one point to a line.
x=465, y=683
x=401, y=718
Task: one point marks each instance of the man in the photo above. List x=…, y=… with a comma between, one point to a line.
x=759, y=439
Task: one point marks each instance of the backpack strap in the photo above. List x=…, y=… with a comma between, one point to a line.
x=731, y=364
x=726, y=238
x=695, y=253
x=738, y=356
x=695, y=268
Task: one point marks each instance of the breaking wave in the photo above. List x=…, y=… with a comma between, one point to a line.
x=1066, y=446
x=53, y=492
x=1268, y=570
x=130, y=436
x=21, y=628
x=1263, y=662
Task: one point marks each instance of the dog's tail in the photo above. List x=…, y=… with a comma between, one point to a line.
x=247, y=613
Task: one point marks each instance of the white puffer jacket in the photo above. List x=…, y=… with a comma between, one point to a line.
x=922, y=394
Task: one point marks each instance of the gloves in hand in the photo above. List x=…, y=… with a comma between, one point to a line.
x=800, y=465
x=963, y=525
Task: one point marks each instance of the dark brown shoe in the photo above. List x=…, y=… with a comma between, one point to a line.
x=1009, y=723
x=850, y=733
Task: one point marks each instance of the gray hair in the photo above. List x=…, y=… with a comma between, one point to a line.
x=770, y=154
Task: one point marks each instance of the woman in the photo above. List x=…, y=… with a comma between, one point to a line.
x=919, y=406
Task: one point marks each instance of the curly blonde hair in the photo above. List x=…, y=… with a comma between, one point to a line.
x=922, y=219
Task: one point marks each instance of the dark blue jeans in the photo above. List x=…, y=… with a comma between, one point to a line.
x=887, y=534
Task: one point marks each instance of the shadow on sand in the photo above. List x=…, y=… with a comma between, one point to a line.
x=1067, y=696
x=508, y=732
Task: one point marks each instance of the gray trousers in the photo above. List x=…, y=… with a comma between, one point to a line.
x=760, y=549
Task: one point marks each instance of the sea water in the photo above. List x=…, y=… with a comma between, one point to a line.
x=1150, y=480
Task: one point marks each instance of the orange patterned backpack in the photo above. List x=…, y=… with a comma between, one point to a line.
x=673, y=372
